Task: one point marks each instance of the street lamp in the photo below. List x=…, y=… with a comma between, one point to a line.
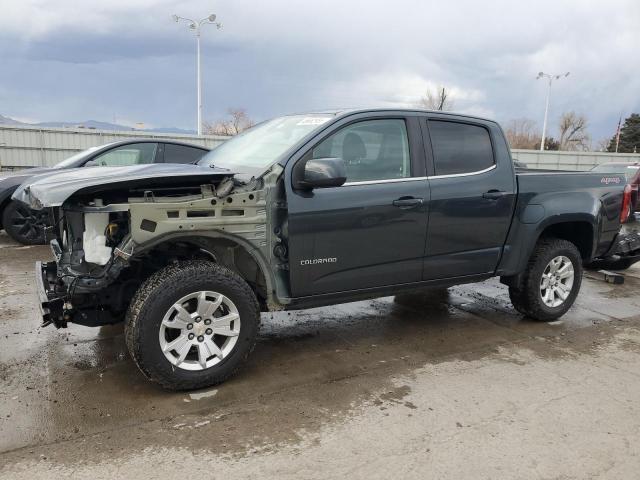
x=196, y=25
x=551, y=78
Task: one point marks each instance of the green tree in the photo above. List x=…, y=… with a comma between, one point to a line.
x=629, y=136
x=551, y=143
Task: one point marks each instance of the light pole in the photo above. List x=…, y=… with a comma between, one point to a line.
x=196, y=25
x=551, y=78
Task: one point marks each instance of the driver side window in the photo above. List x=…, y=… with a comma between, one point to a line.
x=126, y=155
x=371, y=150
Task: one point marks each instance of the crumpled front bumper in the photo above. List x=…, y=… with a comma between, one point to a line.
x=50, y=302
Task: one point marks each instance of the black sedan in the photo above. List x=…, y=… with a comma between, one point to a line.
x=27, y=226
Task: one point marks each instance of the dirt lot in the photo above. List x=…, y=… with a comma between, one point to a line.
x=450, y=384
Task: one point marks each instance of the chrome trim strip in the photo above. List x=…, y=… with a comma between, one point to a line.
x=390, y=180
x=453, y=175
x=410, y=179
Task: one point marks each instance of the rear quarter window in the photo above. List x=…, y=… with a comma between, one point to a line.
x=182, y=153
x=460, y=148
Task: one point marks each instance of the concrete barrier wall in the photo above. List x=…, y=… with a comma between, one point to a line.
x=570, y=160
x=24, y=147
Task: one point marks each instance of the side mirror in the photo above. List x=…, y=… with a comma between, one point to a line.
x=322, y=173
x=91, y=163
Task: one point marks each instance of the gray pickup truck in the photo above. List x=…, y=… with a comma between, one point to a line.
x=310, y=210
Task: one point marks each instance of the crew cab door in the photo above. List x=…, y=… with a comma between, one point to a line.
x=472, y=197
x=369, y=232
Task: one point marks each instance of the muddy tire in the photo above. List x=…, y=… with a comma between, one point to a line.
x=551, y=281
x=192, y=325
x=24, y=225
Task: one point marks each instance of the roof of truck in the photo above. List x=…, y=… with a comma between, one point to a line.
x=351, y=111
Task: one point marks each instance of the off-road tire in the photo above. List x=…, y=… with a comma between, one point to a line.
x=154, y=298
x=11, y=212
x=525, y=295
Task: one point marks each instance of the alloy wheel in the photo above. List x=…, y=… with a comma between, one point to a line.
x=29, y=224
x=199, y=330
x=557, y=281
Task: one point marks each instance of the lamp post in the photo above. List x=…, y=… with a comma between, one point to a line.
x=551, y=78
x=196, y=26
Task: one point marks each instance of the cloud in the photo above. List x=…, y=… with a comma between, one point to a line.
x=79, y=60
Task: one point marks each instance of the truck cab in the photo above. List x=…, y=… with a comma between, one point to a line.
x=424, y=198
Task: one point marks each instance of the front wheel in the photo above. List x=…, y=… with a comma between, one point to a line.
x=551, y=281
x=191, y=325
x=23, y=224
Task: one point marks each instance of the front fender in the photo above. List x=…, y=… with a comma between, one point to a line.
x=275, y=289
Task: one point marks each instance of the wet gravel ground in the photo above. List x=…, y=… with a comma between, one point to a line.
x=444, y=384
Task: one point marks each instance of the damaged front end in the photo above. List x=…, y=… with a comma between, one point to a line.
x=92, y=249
x=110, y=237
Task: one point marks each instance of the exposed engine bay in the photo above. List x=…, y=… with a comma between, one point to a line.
x=107, y=242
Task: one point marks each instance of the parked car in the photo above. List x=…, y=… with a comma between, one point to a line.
x=28, y=226
x=631, y=171
x=311, y=210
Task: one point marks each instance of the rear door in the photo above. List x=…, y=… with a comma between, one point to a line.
x=369, y=232
x=472, y=197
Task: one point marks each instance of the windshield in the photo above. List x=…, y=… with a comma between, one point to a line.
x=259, y=147
x=74, y=159
x=628, y=170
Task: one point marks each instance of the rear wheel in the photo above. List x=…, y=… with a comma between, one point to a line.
x=551, y=282
x=191, y=325
x=23, y=224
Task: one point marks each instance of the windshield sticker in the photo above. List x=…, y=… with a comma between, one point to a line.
x=313, y=121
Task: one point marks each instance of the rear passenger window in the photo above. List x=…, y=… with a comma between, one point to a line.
x=459, y=147
x=127, y=155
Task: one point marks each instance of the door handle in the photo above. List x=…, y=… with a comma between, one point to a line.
x=493, y=194
x=407, y=202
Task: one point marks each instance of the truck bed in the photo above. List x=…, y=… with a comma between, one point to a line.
x=571, y=191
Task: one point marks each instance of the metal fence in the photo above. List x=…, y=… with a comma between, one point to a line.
x=570, y=160
x=25, y=147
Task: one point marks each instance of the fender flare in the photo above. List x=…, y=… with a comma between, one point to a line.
x=273, y=294
x=515, y=259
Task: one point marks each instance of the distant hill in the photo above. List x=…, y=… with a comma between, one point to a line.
x=95, y=125
x=9, y=121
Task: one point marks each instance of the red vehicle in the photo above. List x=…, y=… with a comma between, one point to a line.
x=631, y=171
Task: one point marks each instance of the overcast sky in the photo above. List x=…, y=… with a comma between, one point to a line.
x=127, y=60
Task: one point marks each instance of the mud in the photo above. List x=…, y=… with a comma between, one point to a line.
x=446, y=383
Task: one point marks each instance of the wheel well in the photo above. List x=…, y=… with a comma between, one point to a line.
x=578, y=233
x=223, y=251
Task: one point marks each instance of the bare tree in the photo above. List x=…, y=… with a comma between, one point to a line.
x=603, y=145
x=439, y=98
x=573, y=132
x=237, y=122
x=522, y=133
